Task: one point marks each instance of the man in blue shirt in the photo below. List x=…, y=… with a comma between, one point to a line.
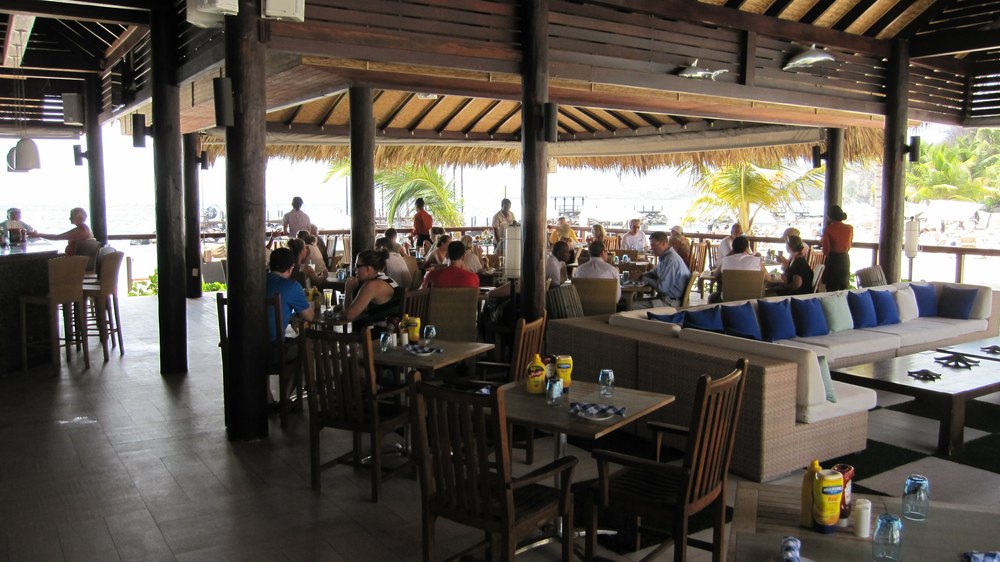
x=670, y=277
x=293, y=299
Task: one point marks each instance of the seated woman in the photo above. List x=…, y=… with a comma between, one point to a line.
x=80, y=231
x=315, y=255
x=371, y=296
x=798, y=278
x=472, y=259
x=439, y=256
x=303, y=272
x=598, y=233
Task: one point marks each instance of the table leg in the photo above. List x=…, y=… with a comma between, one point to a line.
x=951, y=434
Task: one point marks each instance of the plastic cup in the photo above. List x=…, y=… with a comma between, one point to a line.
x=916, y=497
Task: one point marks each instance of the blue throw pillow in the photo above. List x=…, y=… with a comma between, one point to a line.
x=776, y=320
x=886, y=311
x=809, y=318
x=956, y=302
x=741, y=321
x=862, y=310
x=709, y=319
x=927, y=301
x=675, y=318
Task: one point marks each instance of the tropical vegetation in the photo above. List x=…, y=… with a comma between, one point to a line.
x=400, y=187
x=966, y=168
x=742, y=190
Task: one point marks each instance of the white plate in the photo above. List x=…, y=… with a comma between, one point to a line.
x=427, y=354
x=595, y=417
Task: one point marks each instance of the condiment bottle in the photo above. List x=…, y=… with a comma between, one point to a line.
x=536, y=376
x=806, y=515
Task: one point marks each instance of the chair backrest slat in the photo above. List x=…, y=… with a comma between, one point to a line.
x=415, y=302
x=340, y=377
x=528, y=338
x=871, y=276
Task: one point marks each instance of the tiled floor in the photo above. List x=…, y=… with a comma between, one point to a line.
x=120, y=463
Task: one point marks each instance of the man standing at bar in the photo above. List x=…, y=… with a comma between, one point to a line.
x=296, y=219
x=501, y=220
x=422, y=222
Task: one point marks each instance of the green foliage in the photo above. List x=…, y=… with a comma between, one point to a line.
x=213, y=287
x=966, y=168
x=146, y=288
x=744, y=189
x=402, y=186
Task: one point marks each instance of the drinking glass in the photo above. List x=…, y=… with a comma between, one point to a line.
x=385, y=342
x=500, y=262
x=887, y=540
x=606, y=379
x=430, y=332
x=916, y=497
x=328, y=297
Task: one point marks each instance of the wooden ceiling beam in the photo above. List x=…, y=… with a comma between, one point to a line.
x=479, y=118
x=652, y=121
x=45, y=73
x=395, y=112
x=504, y=120
x=734, y=19
x=953, y=42
x=887, y=18
x=583, y=124
x=18, y=34
x=595, y=117
x=333, y=107
x=451, y=116
x=125, y=43
x=79, y=12
x=617, y=115
x=814, y=13
x=925, y=17
x=776, y=7
x=415, y=124
x=852, y=16
x=342, y=132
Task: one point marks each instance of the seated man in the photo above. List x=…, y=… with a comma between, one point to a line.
x=597, y=267
x=739, y=259
x=395, y=266
x=293, y=302
x=669, y=277
x=635, y=239
x=455, y=275
x=555, y=263
x=680, y=243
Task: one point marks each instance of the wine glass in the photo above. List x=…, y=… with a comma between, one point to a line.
x=430, y=332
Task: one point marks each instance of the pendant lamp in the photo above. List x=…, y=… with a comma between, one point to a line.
x=24, y=156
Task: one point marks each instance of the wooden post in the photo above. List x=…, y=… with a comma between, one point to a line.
x=362, y=170
x=893, y=173
x=192, y=215
x=95, y=159
x=169, y=193
x=534, y=150
x=246, y=387
x=834, y=168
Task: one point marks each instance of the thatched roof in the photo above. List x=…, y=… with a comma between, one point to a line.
x=860, y=145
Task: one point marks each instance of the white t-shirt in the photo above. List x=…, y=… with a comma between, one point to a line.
x=725, y=246
x=744, y=262
x=472, y=262
x=596, y=268
x=296, y=220
x=555, y=270
x=637, y=241
x=395, y=267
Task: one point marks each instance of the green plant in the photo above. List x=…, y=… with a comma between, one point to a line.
x=146, y=288
x=213, y=287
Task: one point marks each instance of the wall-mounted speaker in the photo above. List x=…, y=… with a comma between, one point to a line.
x=222, y=89
x=138, y=130
x=78, y=155
x=289, y=10
x=72, y=109
x=817, y=156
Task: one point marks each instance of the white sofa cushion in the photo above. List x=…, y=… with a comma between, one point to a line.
x=906, y=302
x=809, y=384
x=850, y=400
x=852, y=343
x=929, y=329
x=637, y=320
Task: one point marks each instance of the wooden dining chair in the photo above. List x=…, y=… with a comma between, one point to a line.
x=699, y=253
x=633, y=255
x=688, y=289
x=103, y=294
x=416, y=301
x=453, y=312
x=816, y=257
x=221, y=302
x=818, y=277
x=66, y=291
x=612, y=243
x=666, y=496
x=283, y=361
x=416, y=277
x=460, y=443
x=597, y=296
x=342, y=394
x=738, y=285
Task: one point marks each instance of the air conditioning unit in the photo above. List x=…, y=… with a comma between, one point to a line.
x=72, y=109
x=290, y=10
x=224, y=7
x=198, y=18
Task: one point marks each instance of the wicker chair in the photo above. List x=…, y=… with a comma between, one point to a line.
x=740, y=285
x=65, y=289
x=670, y=494
x=453, y=312
x=103, y=292
x=597, y=296
x=460, y=443
x=563, y=302
x=870, y=276
x=340, y=377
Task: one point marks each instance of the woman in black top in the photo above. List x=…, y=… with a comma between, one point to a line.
x=371, y=296
x=799, y=276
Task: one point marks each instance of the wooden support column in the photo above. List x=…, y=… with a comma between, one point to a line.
x=192, y=214
x=245, y=381
x=362, y=170
x=169, y=193
x=534, y=150
x=890, y=242
x=834, y=168
x=95, y=159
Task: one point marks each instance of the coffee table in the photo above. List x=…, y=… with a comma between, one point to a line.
x=948, y=393
x=975, y=349
x=764, y=513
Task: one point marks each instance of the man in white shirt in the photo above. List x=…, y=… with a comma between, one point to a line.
x=726, y=244
x=597, y=267
x=739, y=259
x=501, y=220
x=635, y=239
x=555, y=263
x=296, y=219
x=395, y=266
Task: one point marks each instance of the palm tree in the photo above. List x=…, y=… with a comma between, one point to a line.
x=744, y=189
x=400, y=187
x=962, y=170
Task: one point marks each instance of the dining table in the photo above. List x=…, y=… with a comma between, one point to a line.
x=631, y=291
x=452, y=352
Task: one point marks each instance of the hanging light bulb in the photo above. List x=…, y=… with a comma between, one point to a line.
x=25, y=153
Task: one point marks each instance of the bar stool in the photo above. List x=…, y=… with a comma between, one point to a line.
x=65, y=289
x=104, y=296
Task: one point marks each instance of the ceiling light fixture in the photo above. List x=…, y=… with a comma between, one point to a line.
x=24, y=156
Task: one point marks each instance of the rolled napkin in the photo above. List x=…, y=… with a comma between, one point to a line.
x=974, y=556
x=588, y=409
x=422, y=349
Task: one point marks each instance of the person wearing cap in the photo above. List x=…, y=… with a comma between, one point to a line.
x=296, y=219
x=680, y=243
x=837, y=239
x=726, y=244
x=14, y=221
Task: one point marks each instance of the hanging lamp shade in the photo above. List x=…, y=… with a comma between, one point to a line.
x=26, y=155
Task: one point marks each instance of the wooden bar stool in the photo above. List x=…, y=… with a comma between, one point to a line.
x=65, y=289
x=104, y=296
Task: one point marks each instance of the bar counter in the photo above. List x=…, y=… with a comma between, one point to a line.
x=24, y=270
